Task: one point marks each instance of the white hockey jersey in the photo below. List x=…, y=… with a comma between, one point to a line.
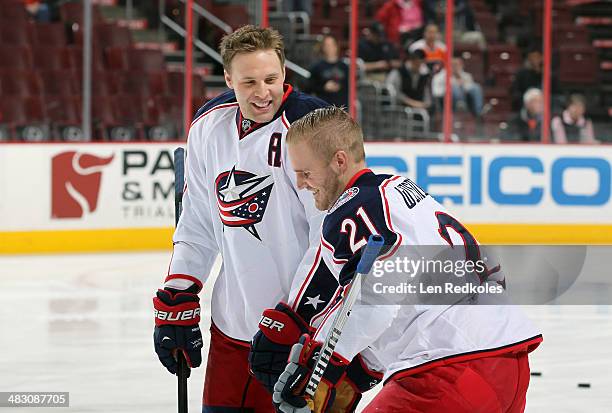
x=241, y=200
x=406, y=339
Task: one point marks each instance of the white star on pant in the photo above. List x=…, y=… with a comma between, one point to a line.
x=314, y=301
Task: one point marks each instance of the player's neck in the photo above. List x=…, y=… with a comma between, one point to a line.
x=350, y=173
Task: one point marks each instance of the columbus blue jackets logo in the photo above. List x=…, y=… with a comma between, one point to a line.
x=344, y=198
x=242, y=198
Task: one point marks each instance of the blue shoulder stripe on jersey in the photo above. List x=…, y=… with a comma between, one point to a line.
x=225, y=97
x=298, y=104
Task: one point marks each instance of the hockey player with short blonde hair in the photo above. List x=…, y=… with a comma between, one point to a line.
x=456, y=356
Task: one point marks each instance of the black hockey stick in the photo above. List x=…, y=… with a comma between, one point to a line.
x=182, y=370
x=368, y=256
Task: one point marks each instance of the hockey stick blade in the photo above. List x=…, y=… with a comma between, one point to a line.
x=368, y=256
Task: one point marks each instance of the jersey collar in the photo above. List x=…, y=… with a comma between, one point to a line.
x=246, y=126
x=355, y=177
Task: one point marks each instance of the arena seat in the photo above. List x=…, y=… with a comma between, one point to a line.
x=49, y=34
x=59, y=83
x=473, y=60
x=24, y=118
x=21, y=83
x=505, y=57
x=146, y=60
x=15, y=33
x=578, y=64
x=112, y=35
x=51, y=57
x=15, y=58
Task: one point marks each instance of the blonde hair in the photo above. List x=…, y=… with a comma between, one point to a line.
x=327, y=131
x=248, y=39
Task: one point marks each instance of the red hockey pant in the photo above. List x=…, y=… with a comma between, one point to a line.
x=485, y=385
x=227, y=380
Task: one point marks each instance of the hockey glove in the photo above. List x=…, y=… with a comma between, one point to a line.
x=288, y=395
x=358, y=380
x=279, y=329
x=177, y=314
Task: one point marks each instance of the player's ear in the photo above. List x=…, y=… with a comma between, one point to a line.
x=284, y=73
x=340, y=161
x=228, y=79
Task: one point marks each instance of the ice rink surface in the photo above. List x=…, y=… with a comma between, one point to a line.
x=84, y=324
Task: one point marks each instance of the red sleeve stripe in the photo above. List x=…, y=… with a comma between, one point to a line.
x=329, y=313
x=331, y=248
x=387, y=214
x=326, y=308
x=285, y=121
x=365, y=367
x=298, y=298
x=185, y=277
x=225, y=105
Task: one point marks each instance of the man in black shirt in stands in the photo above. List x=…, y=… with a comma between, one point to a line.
x=379, y=55
x=329, y=76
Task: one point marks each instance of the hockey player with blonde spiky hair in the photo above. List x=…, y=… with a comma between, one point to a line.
x=455, y=356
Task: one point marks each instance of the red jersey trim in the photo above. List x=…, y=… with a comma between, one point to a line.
x=254, y=126
x=225, y=105
x=355, y=177
x=327, y=308
x=527, y=345
x=331, y=311
x=373, y=373
x=185, y=277
x=285, y=121
x=387, y=214
x=298, y=298
x=331, y=248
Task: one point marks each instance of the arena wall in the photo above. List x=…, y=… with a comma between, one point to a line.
x=113, y=197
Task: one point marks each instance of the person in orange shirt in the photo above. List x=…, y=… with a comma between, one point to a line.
x=434, y=49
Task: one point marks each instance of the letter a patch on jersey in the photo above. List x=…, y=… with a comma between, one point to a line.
x=242, y=198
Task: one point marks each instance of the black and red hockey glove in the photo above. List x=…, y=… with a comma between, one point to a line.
x=279, y=329
x=177, y=314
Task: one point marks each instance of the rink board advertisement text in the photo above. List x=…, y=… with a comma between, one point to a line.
x=90, y=197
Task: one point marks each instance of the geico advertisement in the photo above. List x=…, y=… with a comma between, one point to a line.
x=507, y=183
x=56, y=186
x=87, y=186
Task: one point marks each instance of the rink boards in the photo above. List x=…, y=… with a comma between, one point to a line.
x=103, y=197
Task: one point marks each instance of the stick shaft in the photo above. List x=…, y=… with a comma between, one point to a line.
x=182, y=371
x=368, y=256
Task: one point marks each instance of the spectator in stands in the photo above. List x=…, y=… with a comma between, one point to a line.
x=465, y=91
x=435, y=50
x=329, y=76
x=430, y=11
x=297, y=5
x=379, y=55
x=402, y=19
x=527, y=124
x=572, y=126
x=464, y=17
x=411, y=81
x=39, y=10
x=529, y=76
